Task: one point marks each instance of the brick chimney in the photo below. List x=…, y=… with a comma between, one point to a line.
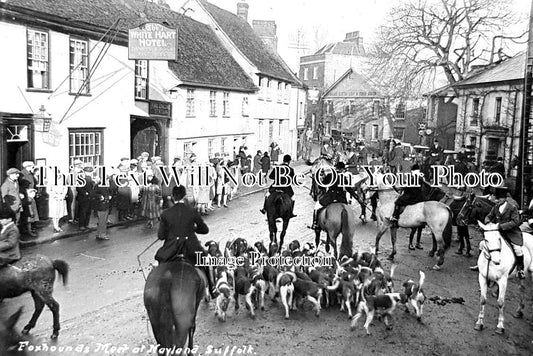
x=266, y=30
x=242, y=10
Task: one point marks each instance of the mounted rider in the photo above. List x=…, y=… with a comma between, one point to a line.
x=336, y=193
x=505, y=214
x=410, y=196
x=326, y=150
x=279, y=171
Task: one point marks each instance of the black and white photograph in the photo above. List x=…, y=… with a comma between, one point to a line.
x=266, y=177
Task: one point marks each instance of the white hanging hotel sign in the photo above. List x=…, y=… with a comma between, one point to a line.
x=153, y=41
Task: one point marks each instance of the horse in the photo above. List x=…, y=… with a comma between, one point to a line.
x=172, y=295
x=9, y=338
x=36, y=275
x=433, y=213
x=337, y=218
x=475, y=208
x=496, y=263
x=278, y=205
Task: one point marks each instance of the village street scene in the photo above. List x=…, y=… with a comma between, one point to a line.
x=140, y=136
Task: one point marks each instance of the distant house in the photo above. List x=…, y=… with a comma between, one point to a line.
x=353, y=109
x=488, y=107
x=322, y=69
x=441, y=117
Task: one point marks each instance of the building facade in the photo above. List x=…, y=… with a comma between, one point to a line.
x=274, y=109
x=322, y=69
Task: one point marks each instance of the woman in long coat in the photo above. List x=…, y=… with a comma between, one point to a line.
x=151, y=202
x=57, y=204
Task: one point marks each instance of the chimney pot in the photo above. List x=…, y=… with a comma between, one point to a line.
x=242, y=10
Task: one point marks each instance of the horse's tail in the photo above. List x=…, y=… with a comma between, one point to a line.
x=62, y=268
x=447, y=233
x=278, y=203
x=346, y=244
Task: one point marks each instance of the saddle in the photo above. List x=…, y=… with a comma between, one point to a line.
x=182, y=258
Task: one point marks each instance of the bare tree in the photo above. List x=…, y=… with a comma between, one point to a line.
x=423, y=39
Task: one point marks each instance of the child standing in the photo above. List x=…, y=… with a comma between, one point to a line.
x=151, y=202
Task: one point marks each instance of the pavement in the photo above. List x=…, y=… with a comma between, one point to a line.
x=46, y=234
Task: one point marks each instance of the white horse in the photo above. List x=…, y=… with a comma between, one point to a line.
x=496, y=259
x=436, y=215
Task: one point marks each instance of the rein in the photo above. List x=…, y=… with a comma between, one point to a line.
x=487, y=249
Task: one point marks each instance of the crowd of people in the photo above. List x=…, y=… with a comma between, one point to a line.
x=61, y=201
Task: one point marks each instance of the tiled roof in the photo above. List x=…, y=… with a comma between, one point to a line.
x=346, y=48
x=251, y=46
x=202, y=60
x=510, y=69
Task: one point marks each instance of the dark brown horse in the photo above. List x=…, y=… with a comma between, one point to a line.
x=172, y=294
x=9, y=338
x=278, y=205
x=36, y=275
x=337, y=218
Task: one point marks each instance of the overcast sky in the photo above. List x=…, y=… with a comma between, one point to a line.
x=332, y=18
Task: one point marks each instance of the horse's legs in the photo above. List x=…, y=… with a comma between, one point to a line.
x=440, y=251
x=283, y=232
x=519, y=313
x=46, y=297
x=191, y=335
x=482, y=302
x=379, y=235
x=393, y=242
x=419, y=236
x=273, y=230
x=434, y=246
x=411, y=236
x=39, y=305
x=317, y=238
x=502, y=286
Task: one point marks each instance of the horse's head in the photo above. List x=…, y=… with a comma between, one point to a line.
x=481, y=207
x=9, y=337
x=493, y=242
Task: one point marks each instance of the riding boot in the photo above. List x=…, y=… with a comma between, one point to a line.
x=263, y=211
x=520, y=267
x=292, y=209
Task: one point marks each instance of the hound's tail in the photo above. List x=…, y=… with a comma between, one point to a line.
x=422, y=279
x=62, y=268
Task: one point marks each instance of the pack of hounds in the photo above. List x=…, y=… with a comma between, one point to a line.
x=358, y=283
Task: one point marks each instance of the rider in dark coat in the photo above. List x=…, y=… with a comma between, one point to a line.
x=277, y=171
x=410, y=196
x=335, y=193
x=178, y=229
x=505, y=214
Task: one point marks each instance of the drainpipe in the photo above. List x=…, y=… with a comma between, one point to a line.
x=512, y=134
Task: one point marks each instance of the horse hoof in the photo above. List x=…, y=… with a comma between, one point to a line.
x=54, y=335
x=419, y=319
x=478, y=327
x=436, y=268
x=391, y=257
x=431, y=253
x=286, y=317
x=26, y=330
x=389, y=327
x=500, y=331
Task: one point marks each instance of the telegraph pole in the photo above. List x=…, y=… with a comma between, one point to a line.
x=525, y=166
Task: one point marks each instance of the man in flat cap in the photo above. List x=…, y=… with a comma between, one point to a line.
x=27, y=183
x=9, y=238
x=11, y=193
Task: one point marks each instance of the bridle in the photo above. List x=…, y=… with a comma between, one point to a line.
x=487, y=252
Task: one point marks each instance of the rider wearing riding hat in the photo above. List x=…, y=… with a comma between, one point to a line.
x=9, y=238
x=505, y=214
x=178, y=228
x=336, y=193
x=277, y=171
x=327, y=151
x=410, y=196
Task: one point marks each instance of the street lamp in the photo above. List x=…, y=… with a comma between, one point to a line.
x=42, y=120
